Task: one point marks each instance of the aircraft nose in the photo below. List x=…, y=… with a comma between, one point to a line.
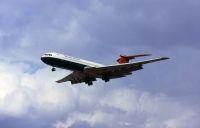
x=43, y=59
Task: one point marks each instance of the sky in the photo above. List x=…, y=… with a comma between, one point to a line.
x=163, y=95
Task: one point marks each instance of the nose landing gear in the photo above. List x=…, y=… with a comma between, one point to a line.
x=53, y=69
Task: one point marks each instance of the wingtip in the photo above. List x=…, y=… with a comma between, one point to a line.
x=147, y=54
x=165, y=58
x=57, y=81
x=143, y=55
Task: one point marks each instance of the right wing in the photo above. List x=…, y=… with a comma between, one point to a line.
x=122, y=68
x=111, y=72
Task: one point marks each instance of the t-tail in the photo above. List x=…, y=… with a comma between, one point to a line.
x=125, y=59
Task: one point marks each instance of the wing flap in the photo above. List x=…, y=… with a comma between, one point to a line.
x=77, y=77
x=67, y=78
x=74, y=77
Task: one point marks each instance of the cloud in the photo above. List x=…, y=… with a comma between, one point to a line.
x=56, y=26
x=22, y=90
x=32, y=94
x=156, y=23
x=132, y=108
x=93, y=119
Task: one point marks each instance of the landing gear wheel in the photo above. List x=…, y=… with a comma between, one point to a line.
x=53, y=69
x=106, y=78
x=90, y=83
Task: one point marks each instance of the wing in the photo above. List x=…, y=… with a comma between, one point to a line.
x=76, y=77
x=106, y=72
x=120, y=70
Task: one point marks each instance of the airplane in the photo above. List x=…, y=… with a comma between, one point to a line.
x=87, y=71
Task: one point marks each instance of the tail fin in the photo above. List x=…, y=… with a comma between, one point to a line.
x=125, y=59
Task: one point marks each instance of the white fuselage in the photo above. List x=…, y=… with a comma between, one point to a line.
x=67, y=62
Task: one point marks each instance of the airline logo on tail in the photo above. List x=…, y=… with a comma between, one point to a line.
x=125, y=59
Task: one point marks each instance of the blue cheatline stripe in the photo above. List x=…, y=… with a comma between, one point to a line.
x=59, y=63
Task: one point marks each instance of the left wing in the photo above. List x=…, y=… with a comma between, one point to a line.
x=76, y=77
x=107, y=72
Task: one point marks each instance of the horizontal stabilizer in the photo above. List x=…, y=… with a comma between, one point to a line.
x=153, y=60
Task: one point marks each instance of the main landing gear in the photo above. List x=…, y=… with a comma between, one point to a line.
x=106, y=78
x=53, y=69
x=88, y=81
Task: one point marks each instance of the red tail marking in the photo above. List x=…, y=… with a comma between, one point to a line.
x=125, y=59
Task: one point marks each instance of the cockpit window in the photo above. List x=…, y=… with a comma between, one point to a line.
x=48, y=54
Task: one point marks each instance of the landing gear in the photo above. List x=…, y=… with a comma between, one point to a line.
x=106, y=78
x=88, y=81
x=53, y=69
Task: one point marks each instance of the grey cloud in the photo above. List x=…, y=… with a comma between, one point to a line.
x=110, y=25
x=179, y=74
x=153, y=23
x=145, y=110
x=91, y=26
x=73, y=106
x=13, y=122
